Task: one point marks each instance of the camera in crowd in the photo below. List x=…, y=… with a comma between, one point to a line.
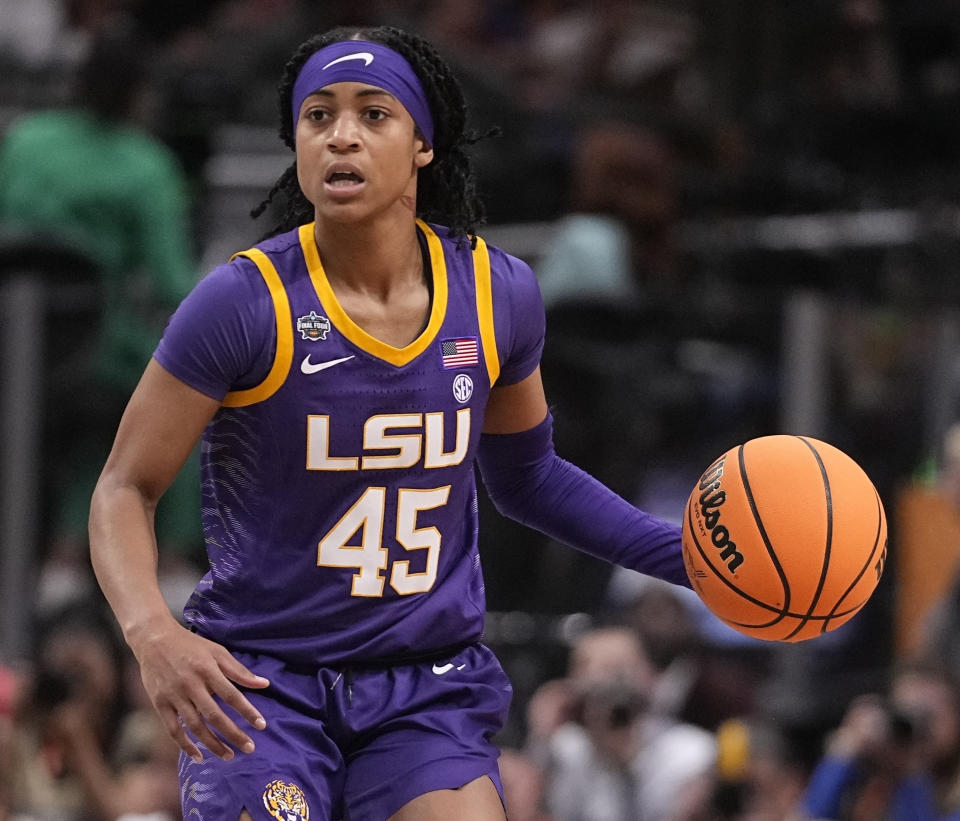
x=906, y=727
x=613, y=705
x=50, y=689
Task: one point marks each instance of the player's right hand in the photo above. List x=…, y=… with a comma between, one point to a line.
x=184, y=675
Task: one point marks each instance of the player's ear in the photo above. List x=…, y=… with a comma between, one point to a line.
x=424, y=153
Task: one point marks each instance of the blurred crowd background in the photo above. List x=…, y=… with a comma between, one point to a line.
x=745, y=219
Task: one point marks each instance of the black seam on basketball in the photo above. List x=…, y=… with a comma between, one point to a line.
x=866, y=566
x=828, y=500
x=838, y=615
x=745, y=480
x=728, y=583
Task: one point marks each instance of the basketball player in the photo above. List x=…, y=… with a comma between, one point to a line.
x=345, y=375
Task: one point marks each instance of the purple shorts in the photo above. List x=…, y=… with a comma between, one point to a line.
x=355, y=743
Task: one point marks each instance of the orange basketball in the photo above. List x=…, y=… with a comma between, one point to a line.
x=784, y=538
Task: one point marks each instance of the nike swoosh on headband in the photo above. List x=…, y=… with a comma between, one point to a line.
x=366, y=56
x=359, y=61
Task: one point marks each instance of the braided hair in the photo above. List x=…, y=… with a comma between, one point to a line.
x=446, y=188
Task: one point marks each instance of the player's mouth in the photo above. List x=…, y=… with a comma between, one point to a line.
x=342, y=180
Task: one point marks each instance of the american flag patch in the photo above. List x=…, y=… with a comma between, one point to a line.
x=459, y=352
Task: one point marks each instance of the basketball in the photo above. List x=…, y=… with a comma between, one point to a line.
x=784, y=538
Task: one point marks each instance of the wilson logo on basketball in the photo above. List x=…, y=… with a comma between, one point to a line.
x=711, y=500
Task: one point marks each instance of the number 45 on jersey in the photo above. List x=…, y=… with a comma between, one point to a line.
x=367, y=515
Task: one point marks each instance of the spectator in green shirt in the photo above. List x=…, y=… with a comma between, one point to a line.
x=91, y=176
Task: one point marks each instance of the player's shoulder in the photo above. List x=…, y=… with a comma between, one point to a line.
x=505, y=268
x=283, y=252
x=278, y=246
x=234, y=280
x=512, y=277
x=230, y=292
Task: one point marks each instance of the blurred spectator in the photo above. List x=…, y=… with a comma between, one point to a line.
x=92, y=176
x=759, y=776
x=37, y=34
x=9, y=689
x=929, y=699
x=79, y=750
x=939, y=631
x=599, y=655
x=852, y=59
x=706, y=672
x=893, y=756
x=940, y=641
x=478, y=32
x=927, y=37
x=949, y=473
x=217, y=67
x=29, y=31
x=852, y=116
x=608, y=756
x=145, y=761
x=610, y=49
x=618, y=241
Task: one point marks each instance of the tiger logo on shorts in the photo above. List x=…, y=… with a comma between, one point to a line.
x=285, y=802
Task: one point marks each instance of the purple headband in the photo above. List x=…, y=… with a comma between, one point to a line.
x=359, y=61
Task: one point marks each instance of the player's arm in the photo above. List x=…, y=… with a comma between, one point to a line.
x=515, y=408
x=162, y=423
x=530, y=483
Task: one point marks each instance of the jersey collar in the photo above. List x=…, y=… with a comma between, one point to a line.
x=356, y=334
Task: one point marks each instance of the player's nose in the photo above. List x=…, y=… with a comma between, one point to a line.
x=344, y=134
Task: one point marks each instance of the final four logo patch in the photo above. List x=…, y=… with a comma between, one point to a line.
x=313, y=326
x=285, y=802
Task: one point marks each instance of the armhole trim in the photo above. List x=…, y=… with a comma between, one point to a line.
x=283, y=355
x=488, y=334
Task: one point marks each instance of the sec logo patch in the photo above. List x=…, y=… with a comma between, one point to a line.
x=462, y=388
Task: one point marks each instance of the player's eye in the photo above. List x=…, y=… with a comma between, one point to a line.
x=376, y=114
x=316, y=114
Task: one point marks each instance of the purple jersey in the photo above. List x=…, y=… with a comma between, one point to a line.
x=339, y=496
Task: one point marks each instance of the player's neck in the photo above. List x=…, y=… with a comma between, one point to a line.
x=375, y=256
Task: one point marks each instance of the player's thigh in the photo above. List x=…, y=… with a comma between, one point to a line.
x=475, y=801
x=426, y=731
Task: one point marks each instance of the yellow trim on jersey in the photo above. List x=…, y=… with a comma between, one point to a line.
x=488, y=334
x=284, y=353
x=356, y=334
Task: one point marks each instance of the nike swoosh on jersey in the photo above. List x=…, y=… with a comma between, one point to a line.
x=312, y=367
x=440, y=669
x=366, y=56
